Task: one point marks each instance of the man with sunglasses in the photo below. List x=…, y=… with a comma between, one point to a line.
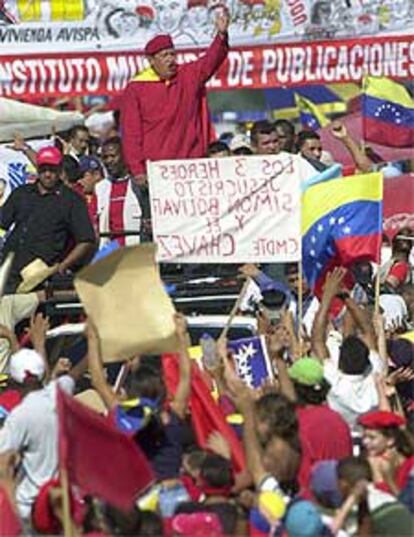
x=48, y=221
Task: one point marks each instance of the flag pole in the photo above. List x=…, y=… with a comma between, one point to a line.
x=235, y=309
x=300, y=303
x=67, y=522
x=363, y=88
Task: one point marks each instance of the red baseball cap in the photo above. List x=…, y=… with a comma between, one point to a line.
x=49, y=155
x=158, y=43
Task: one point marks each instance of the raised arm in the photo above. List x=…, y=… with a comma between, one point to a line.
x=362, y=162
x=362, y=321
x=332, y=287
x=216, y=52
x=39, y=325
x=99, y=381
x=182, y=394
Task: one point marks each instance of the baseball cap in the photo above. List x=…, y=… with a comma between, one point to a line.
x=26, y=364
x=324, y=483
x=303, y=520
x=90, y=163
x=307, y=371
x=49, y=156
x=238, y=141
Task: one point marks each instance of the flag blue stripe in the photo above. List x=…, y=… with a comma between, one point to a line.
x=309, y=120
x=359, y=218
x=388, y=111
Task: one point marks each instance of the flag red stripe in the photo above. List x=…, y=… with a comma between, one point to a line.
x=385, y=133
x=101, y=460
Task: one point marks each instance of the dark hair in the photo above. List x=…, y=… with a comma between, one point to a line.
x=150, y=525
x=403, y=441
x=279, y=414
x=303, y=136
x=216, y=472
x=71, y=168
x=147, y=382
x=78, y=128
x=114, y=140
x=353, y=356
x=353, y=469
x=243, y=150
x=217, y=147
x=285, y=125
x=291, y=268
x=261, y=127
x=312, y=395
x=120, y=522
x=196, y=457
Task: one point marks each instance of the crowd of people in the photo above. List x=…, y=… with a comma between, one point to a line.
x=326, y=444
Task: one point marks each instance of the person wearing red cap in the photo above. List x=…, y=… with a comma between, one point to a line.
x=390, y=449
x=162, y=108
x=46, y=215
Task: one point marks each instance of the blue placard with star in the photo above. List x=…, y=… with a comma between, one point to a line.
x=251, y=360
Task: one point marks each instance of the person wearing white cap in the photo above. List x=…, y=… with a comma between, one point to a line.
x=27, y=367
x=31, y=428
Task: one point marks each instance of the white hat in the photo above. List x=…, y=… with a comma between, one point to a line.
x=26, y=363
x=238, y=141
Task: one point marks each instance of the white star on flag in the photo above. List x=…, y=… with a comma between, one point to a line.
x=341, y=220
x=332, y=220
x=312, y=253
x=313, y=239
x=320, y=228
x=347, y=230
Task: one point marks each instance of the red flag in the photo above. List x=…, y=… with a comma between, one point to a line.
x=206, y=416
x=101, y=460
x=9, y=523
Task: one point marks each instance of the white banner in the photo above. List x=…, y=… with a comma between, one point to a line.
x=229, y=210
x=63, y=26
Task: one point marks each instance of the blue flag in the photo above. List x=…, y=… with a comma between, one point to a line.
x=251, y=360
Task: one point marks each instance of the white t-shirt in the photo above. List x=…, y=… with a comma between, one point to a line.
x=32, y=429
x=351, y=395
x=13, y=309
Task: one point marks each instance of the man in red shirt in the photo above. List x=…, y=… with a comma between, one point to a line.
x=162, y=108
x=322, y=430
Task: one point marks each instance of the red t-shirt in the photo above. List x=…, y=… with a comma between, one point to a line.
x=400, y=271
x=324, y=435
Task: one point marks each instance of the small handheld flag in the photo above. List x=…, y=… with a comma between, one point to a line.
x=310, y=116
x=251, y=360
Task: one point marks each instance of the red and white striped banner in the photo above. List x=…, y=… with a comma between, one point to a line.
x=321, y=62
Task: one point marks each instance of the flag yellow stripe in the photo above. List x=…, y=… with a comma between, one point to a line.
x=323, y=198
x=388, y=90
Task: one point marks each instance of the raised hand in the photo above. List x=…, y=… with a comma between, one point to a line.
x=222, y=20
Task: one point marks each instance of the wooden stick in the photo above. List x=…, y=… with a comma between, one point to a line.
x=122, y=374
x=67, y=519
x=235, y=309
x=300, y=303
x=377, y=289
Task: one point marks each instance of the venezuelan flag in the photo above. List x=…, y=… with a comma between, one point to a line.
x=341, y=224
x=310, y=116
x=388, y=113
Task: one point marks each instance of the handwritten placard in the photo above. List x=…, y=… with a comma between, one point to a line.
x=228, y=210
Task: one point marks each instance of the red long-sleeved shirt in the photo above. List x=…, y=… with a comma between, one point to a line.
x=164, y=119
